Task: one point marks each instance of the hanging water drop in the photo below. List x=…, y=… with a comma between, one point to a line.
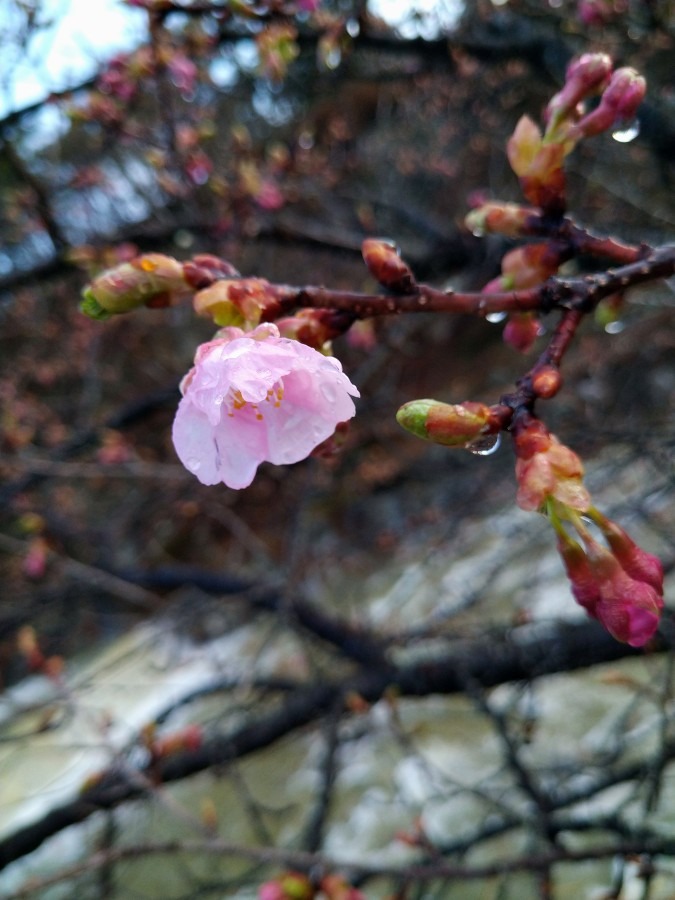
x=615, y=327
x=627, y=132
x=495, y=317
x=485, y=445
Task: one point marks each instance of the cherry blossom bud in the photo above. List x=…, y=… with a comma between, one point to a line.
x=638, y=564
x=546, y=381
x=508, y=219
x=585, y=76
x=553, y=472
x=314, y=327
x=521, y=331
x=443, y=423
x=583, y=581
x=204, y=269
x=629, y=609
x=529, y=265
x=386, y=266
x=619, y=104
x=622, y=590
x=236, y=301
x=151, y=279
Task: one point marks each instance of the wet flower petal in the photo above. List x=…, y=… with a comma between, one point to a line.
x=257, y=397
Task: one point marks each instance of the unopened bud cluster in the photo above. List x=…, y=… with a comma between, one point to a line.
x=618, y=583
x=537, y=158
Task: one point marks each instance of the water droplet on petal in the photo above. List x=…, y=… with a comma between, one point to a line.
x=627, y=133
x=495, y=317
x=193, y=464
x=485, y=445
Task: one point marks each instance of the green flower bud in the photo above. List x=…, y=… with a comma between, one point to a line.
x=444, y=423
x=148, y=280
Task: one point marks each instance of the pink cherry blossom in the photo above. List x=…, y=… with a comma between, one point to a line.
x=255, y=397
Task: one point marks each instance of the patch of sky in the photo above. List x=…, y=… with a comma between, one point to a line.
x=67, y=45
x=427, y=19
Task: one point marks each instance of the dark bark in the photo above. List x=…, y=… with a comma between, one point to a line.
x=519, y=654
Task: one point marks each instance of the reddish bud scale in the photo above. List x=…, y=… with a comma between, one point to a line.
x=546, y=382
x=204, y=269
x=509, y=219
x=237, y=301
x=387, y=267
x=314, y=327
x=530, y=436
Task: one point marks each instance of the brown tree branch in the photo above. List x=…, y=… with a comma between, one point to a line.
x=512, y=655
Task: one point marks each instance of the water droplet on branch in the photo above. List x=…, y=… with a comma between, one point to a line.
x=485, y=445
x=495, y=317
x=627, y=133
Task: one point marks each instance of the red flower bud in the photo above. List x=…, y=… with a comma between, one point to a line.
x=386, y=266
x=618, y=104
x=521, y=331
x=585, y=76
x=637, y=562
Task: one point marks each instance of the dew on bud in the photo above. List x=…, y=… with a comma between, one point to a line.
x=615, y=327
x=495, y=317
x=485, y=445
x=627, y=133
